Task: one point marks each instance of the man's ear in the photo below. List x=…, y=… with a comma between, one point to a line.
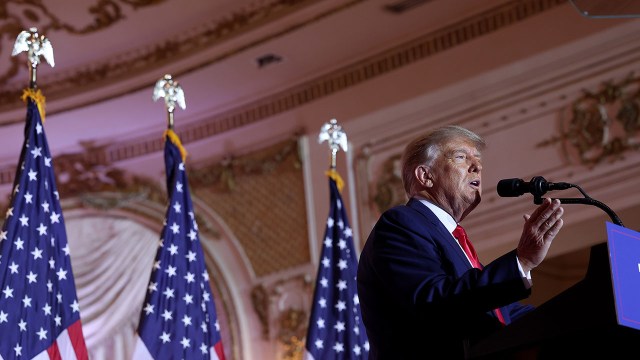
x=423, y=175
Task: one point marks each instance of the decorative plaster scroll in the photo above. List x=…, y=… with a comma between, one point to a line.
x=281, y=308
x=602, y=125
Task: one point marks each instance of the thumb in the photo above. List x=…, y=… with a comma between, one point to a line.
x=526, y=217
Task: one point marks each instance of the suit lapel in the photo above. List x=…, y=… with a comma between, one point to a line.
x=441, y=232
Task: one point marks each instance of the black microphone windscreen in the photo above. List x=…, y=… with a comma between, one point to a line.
x=511, y=187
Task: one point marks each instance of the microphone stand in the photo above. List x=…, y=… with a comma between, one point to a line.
x=587, y=200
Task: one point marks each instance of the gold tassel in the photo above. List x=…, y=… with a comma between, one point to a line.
x=176, y=141
x=336, y=177
x=37, y=97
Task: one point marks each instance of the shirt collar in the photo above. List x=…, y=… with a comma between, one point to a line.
x=445, y=218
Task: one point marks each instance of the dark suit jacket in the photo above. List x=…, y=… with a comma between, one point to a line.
x=420, y=297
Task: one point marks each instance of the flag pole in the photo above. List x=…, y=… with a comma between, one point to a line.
x=173, y=95
x=337, y=139
x=35, y=45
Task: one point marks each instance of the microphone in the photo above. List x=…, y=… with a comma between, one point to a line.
x=538, y=186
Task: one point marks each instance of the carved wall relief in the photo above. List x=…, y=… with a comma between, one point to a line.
x=602, y=125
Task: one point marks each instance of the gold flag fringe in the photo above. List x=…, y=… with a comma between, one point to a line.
x=37, y=97
x=176, y=141
x=336, y=177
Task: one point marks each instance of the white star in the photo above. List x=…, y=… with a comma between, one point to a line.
x=66, y=249
x=3, y=235
x=342, y=244
x=328, y=242
x=179, y=186
x=42, y=230
x=9, y=213
x=330, y=222
x=188, y=299
x=203, y=349
x=19, y=244
x=148, y=309
x=338, y=347
x=366, y=345
x=32, y=277
x=173, y=249
x=171, y=271
x=47, y=161
x=13, y=267
x=32, y=175
x=167, y=315
x=24, y=221
x=49, y=286
x=324, y=282
x=191, y=256
x=18, y=350
x=52, y=263
x=320, y=323
x=47, y=309
x=4, y=317
x=153, y=287
x=340, y=224
x=326, y=262
x=339, y=326
x=39, y=128
x=23, y=325
x=347, y=232
x=322, y=302
x=168, y=293
x=75, y=306
x=341, y=285
x=27, y=198
x=62, y=274
x=58, y=320
x=45, y=207
x=36, y=152
x=342, y=264
x=190, y=277
x=357, y=350
x=181, y=166
x=175, y=228
x=341, y=305
x=165, y=337
x=59, y=297
x=55, y=218
x=8, y=292
x=192, y=235
x=356, y=299
x=319, y=344
x=42, y=334
x=186, y=320
x=177, y=207
x=185, y=343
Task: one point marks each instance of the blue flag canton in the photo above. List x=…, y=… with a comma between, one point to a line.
x=336, y=330
x=37, y=291
x=178, y=319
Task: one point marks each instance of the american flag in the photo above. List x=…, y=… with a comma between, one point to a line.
x=178, y=318
x=336, y=330
x=39, y=311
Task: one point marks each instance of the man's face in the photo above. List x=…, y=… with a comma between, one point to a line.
x=455, y=176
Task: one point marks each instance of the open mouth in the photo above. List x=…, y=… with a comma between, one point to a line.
x=475, y=183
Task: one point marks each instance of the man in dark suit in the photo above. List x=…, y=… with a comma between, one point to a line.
x=422, y=295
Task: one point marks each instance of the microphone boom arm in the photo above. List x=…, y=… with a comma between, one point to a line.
x=587, y=201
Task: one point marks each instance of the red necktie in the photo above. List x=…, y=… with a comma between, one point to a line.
x=466, y=245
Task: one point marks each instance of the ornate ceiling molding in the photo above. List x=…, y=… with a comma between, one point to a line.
x=320, y=87
x=106, y=13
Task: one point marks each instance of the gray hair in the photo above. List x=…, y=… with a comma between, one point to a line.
x=425, y=149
